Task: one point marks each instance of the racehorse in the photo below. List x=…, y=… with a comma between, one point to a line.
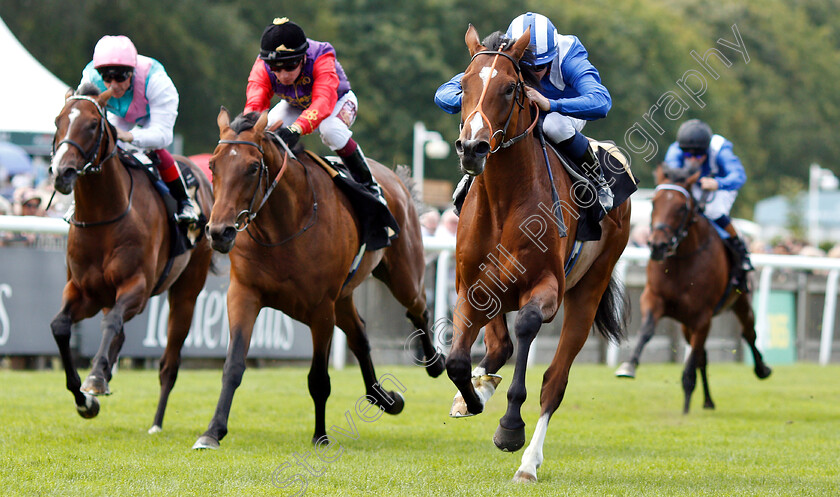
x=688, y=279
x=118, y=249
x=510, y=254
x=297, y=257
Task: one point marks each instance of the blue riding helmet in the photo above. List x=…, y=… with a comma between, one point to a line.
x=543, y=35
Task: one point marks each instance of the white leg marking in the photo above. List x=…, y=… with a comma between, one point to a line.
x=479, y=371
x=533, y=456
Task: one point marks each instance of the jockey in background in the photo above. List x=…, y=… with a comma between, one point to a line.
x=143, y=107
x=570, y=94
x=315, y=94
x=721, y=173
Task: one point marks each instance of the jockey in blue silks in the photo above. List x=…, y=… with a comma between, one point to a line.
x=721, y=174
x=570, y=94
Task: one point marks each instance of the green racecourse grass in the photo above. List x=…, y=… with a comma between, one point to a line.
x=610, y=436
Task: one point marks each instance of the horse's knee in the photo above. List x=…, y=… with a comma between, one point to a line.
x=458, y=367
x=319, y=385
x=528, y=322
x=61, y=326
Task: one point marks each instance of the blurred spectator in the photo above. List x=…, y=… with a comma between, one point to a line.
x=811, y=251
x=429, y=221
x=448, y=224
x=5, y=207
x=28, y=202
x=639, y=235
x=759, y=247
x=835, y=251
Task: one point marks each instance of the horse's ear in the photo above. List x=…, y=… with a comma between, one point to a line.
x=473, y=43
x=659, y=175
x=223, y=120
x=68, y=93
x=262, y=122
x=693, y=178
x=522, y=44
x=104, y=96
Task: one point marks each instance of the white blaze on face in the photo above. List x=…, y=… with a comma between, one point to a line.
x=476, y=123
x=59, y=153
x=233, y=152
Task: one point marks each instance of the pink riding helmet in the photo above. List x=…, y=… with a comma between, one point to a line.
x=114, y=51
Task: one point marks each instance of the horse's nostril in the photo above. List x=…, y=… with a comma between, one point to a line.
x=482, y=149
x=459, y=147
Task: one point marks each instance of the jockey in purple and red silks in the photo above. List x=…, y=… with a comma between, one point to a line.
x=315, y=93
x=143, y=107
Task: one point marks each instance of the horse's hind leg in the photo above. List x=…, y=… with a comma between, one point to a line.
x=182, y=298
x=499, y=346
x=404, y=277
x=702, y=361
x=347, y=318
x=744, y=312
x=86, y=405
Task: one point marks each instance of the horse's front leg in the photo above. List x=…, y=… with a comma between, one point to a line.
x=130, y=299
x=541, y=304
x=473, y=392
x=74, y=308
x=243, y=306
x=651, y=308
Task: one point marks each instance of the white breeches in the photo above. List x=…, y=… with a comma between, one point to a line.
x=558, y=127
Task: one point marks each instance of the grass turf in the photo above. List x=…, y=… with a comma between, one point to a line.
x=610, y=436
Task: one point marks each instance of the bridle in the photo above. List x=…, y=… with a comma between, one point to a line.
x=518, y=101
x=676, y=236
x=92, y=165
x=244, y=218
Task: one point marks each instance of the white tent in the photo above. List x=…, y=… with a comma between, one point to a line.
x=30, y=96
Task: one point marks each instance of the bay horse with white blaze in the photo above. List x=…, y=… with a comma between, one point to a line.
x=296, y=257
x=688, y=279
x=118, y=249
x=502, y=268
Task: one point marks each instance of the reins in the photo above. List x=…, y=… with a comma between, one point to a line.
x=244, y=218
x=681, y=232
x=517, y=101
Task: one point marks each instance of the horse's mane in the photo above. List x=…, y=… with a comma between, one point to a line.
x=87, y=89
x=494, y=41
x=244, y=122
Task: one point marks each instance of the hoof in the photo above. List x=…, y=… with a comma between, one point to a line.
x=708, y=405
x=437, y=366
x=397, y=406
x=459, y=407
x=509, y=440
x=155, y=429
x=763, y=372
x=321, y=440
x=205, y=442
x=626, y=370
x=90, y=409
x=524, y=477
x=94, y=385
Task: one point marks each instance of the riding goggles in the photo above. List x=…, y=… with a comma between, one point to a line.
x=285, y=65
x=693, y=153
x=118, y=75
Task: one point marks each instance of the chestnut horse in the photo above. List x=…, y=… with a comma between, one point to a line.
x=297, y=257
x=510, y=254
x=118, y=249
x=688, y=278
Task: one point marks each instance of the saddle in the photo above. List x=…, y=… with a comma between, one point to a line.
x=617, y=174
x=377, y=226
x=182, y=238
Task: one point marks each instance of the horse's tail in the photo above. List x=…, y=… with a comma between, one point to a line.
x=611, y=318
x=404, y=174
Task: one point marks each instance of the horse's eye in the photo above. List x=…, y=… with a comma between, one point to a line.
x=510, y=89
x=253, y=168
x=94, y=124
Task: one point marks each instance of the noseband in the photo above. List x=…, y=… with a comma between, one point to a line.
x=518, y=98
x=92, y=165
x=676, y=235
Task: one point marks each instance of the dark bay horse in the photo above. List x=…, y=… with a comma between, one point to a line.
x=510, y=254
x=688, y=280
x=118, y=249
x=296, y=257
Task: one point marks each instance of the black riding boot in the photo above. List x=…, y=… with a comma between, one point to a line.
x=186, y=212
x=738, y=246
x=357, y=164
x=590, y=164
x=460, y=193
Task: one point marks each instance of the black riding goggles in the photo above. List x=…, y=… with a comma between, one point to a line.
x=115, y=74
x=286, y=64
